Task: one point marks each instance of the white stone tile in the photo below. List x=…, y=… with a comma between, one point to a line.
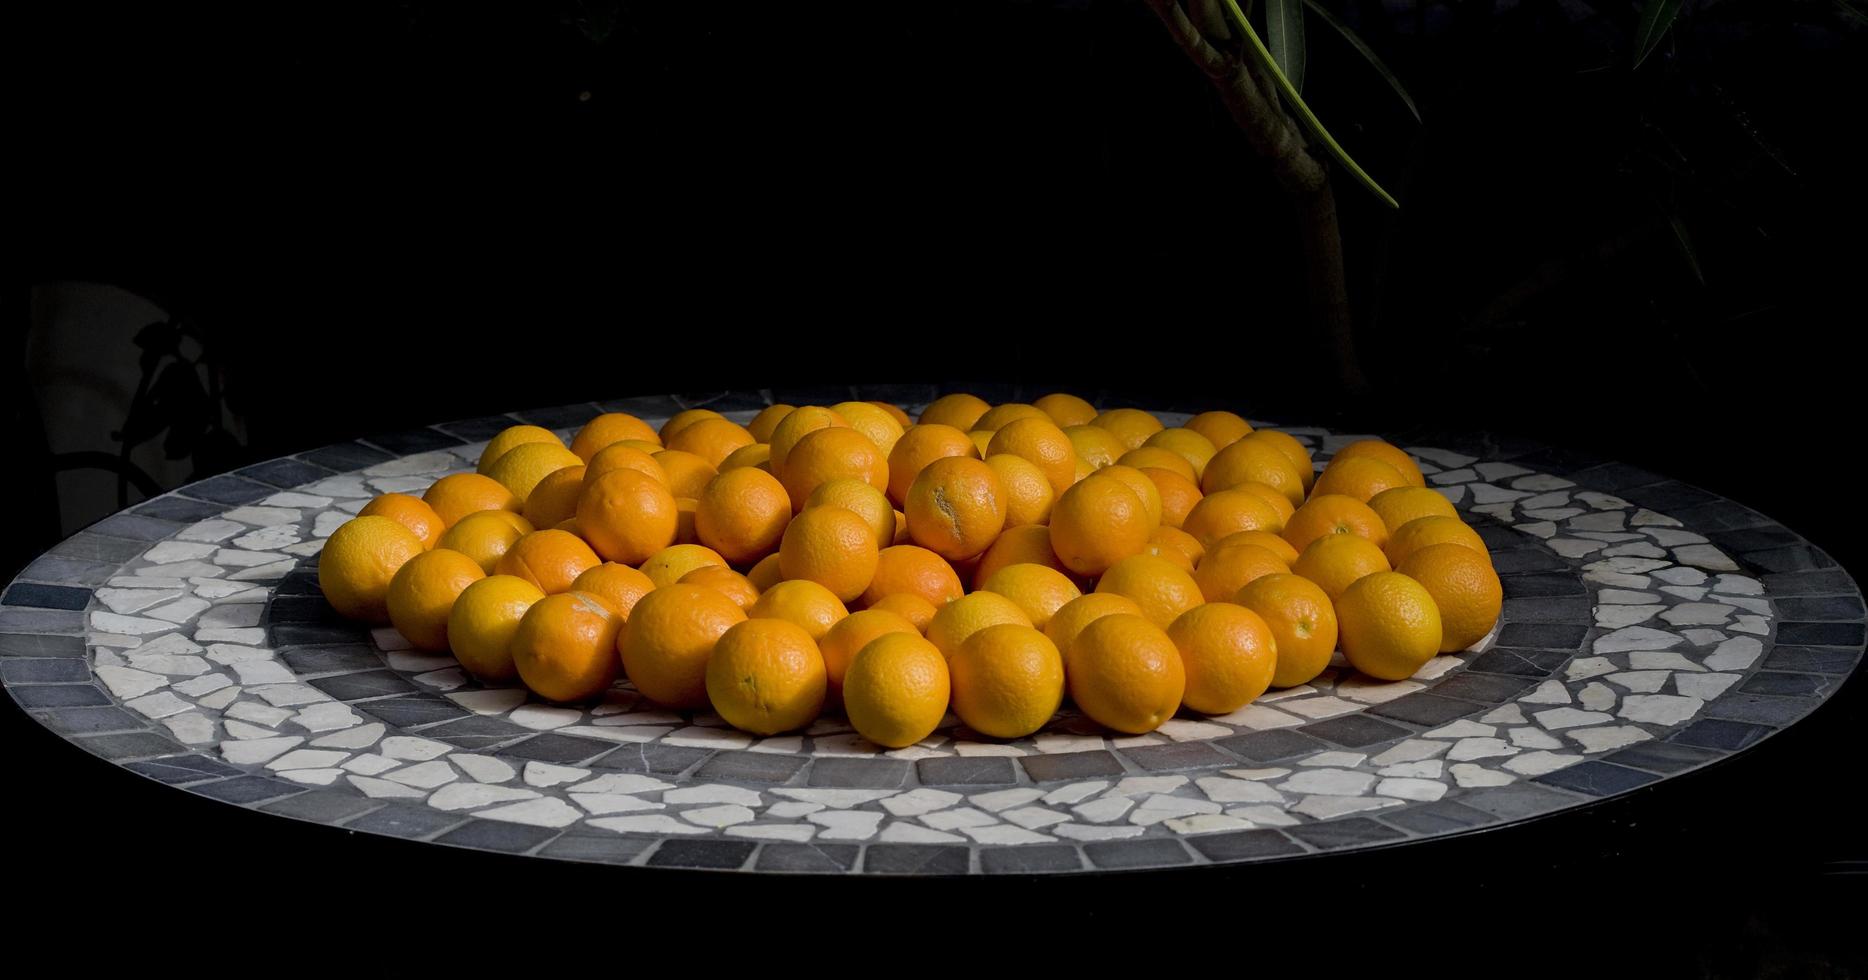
x=191, y=728
x=107, y=622
x=1557, y=719
x=902, y=832
x=264, y=672
x=710, y=793
x=1641, y=681
x=1660, y=660
x=257, y=751
x=725, y=815
x=778, y=745
x=1329, y=782
x=326, y=716
x=1468, y=749
x=697, y=737
x=378, y=789
x=841, y=799
x=1411, y=789
x=1145, y=785
x=1604, y=738
x=126, y=682
x=1506, y=714
x=158, y=705
x=970, y=748
x=371, y=764
x=262, y=516
x=360, y=737
x=127, y=601
x=1539, y=763
x=540, y=717
x=1104, y=810
x=546, y=774
x=493, y=701
x=652, y=823
x=290, y=695
x=259, y=573
x=1338, y=759
x=1755, y=625
x=1184, y=730
x=445, y=679
x=1321, y=707
x=1275, y=772
x=1437, y=667
x=1034, y=817
x=1596, y=696
x=1369, y=691
x=1458, y=729
x=1331, y=807
x=846, y=824
x=1615, y=617
x=1004, y=799
x=313, y=777
x=958, y=818
x=630, y=782
x=1260, y=718
x=1427, y=769
x=177, y=665
x=1636, y=638
x=1067, y=794
x=791, y=809
x=1704, y=556
x=242, y=730
x=604, y=804
x=1533, y=738
x=546, y=811
x=426, y=775
x=1160, y=807
x=1704, y=686
x=413, y=749
x=242, y=614
x=1660, y=709
x=1469, y=776
x=1220, y=789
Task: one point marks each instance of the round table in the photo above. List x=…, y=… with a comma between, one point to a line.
x=1650, y=628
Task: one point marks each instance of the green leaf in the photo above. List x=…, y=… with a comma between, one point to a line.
x=1656, y=17
x=1308, y=118
x=1685, y=241
x=1848, y=10
x=1355, y=41
x=1284, y=37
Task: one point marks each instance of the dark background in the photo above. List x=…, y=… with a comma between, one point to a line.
x=382, y=215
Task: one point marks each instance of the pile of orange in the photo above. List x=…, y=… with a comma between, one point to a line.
x=991, y=560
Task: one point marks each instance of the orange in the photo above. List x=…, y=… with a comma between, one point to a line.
x=1158, y=457
x=920, y=446
x=1191, y=446
x=639, y=445
x=742, y=514
x=766, y=676
x=1387, y=453
x=833, y=547
x=712, y=439
x=1302, y=621
x=454, y=497
x=872, y=421
x=1229, y=654
x=1360, y=477
x=687, y=473
x=1084, y=468
x=410, y=512
x=901, y=529
x=685, y=508
x=1099, y=522
x=1125, y=673
x=1228, y=568
x=1390, y=625
x=1333, y=513
x=1139, y=482
x=896, y=690
x=969, y=614
x=910, y=607
x=358, y=562
x=907, y=569
x=1464, y=588
x=1264, y=539
x=955, y=507
x=565, y=647
x=797, y=424
x=554, y=500
x=981, y=439
x=609, y=429
x=1175, y=545
x=1038, y=590
x=1293, y=451
x=800, y=601
x=1222, y=429
x=764, y=573
x=485, y=536
x=482, y=621
x=861, y=499
x=617, y=586
x=619, y=456
x=1073, y=616
x=1028, y=491
x=725, y=581
x=1065, y=409
x=683, y=419
x=527, y=464
x=1130, y=426
x=959, y=410
x=835, y=453
x=1254, y=459
x=671, y=634
x=1095, y=445
x=758, y=455
x=1007, y=681
x=1160, y=587
x=768, y=418
x=1000, y=416
x=1026, y=543
x=1423, y=531
x=1038, y=440
x=895, y=412
x=550, y=559
x=1398, y=505
x=850, y=634
x=1336, y=561
x=422, y=593
x=1279, y=502
x=666, y=566
x=1178, y=494
x=627, y=516
x=512, y=437
x=1229, y=512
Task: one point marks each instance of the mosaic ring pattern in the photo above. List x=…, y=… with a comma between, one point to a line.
x=1650, y=628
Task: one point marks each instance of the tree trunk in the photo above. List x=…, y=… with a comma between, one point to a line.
x=1328, y=285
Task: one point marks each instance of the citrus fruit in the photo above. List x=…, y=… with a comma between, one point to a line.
x=485, y=536
x=1390, y=625
x=550, y=559
x=895, y=412
x=1130, y=426
x=460, y=494
x=742, y=514
x=1387, y=453
x=608, y=429
x=981, y=438
x=764, y=573
x=1229, y=655
x=627, y=516
x=756, y=456
x=1225, y=512
x=1360, y=477
x=969, y=614
x=1256, y=460
x=687, y=473
x=725, y=581
x=359, y=560
x=1279, y=502
x=833, y=547
x=862, y=499
x=1423, y=531
x=1464, y=588
x=959, y=410
x=910, y=607
x=1175, y=545
x=1073, y=616
x=895, y=690
x=685, y=418
x=920, y=446
x=1191, y=446
x=1222, y=429
x=671, y=634
x=1398, y=505
x=565, y=647
x=1155, y=457
x=1336, y=561
x=1007, y=681
x=512, y=437
x=1039, y=441
x=1125, y=673
x=1094, y=445
x=797, y=424
x=1038, y=590
x=666, y=566
x=482, y=621
x=621, y=456
x=766, y=676
x=850, y=634
x=872, y=421
x=834, y=453
x=800, y=601
x=907, y=569
x=955, y=507
x=1028, y=492
x=1228, y=568
x=1302, y=621
x=423, y=591
x=1099, y=522
x=1139, y=482
x=1015, y=545
x=527, y=464
x=1264, y=539
x=685, y=508
x=410, y=512
x=712, y=439
x=1000, y=416
x=1333, y=513
x=1160, y=587
x=554, y=500
x=1065, y=409
x=1178, y=494
x=617, y=586
x=768, y=418
x=1293, y=451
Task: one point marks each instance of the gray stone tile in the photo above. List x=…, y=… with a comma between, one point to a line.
x=1175, y=755
x=58, y=696
x=408, y=442
x=1820, y=609
x=83, y=721
x=1718, y=733
x=1820, y=634
x=1280, y=743
x=44, y=670
x=46, y=596
x=283, y=473
x=313, y=634
x=1483, y=688
x=807, y=858
x=1140, y=852
x=1070, y=765
x=1438, y=817
x=561, y=416
x=170, y=507
x=1354, y=730
x=608, y=848
x=1517, y=800
x=323, y=806
x=1760, y=709
x=312, y=609
x=1543, y=636
x=69, y=571
x=1828, y=581
x=1547, y=609
x=246, y=789
x=1665, y=758
x=1246, y=845
x=760, y=767
x=1425, y=709
x=1541, y=585
x=365, y=684
x=646, y=406
x=964, y=771
x=412, y=711
x=409, y=820
x=660, y=760
x=1526, y=560
x=916, y=859
x=1793, y=558
x=136, y=527
x=724, y=855
x=858, y=773
x=1597, y=778
x=347, y=456
x=1030, y=859
x=183, y=769
x=1614, y=477
x=28, y=645
x=482, y=429
x=1820, y=660
x=497, y=835
x=476, y=733
x=310, y=661
x=558, y=749
x=227, y=489
x=1346, y=832
x=22, y=619
x=98, y=547
x=125, y=746
x=1781, y=683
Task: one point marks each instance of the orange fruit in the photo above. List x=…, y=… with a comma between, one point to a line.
x=1039, y=441
x=1253, y=459
x=1027, y=543
x=764, y=573
x=766, y=676
x=1279, y=502
x=1084, y=468
x=1038, y=590
x=1065, y=409
x=1464, y=588
x=1392, y=455
x=1227, y=512
x=712, y=439
x=835, y=453
x=619, y=456
x=456, y=496
x=1158, y=457
x=907, y=569
x=1073, y=616
x=910, y=607
x=639, y=445
x=833, y=547
x=959, y=410
x=725, y=581
x=1390, y=625
x=896, y=689
x=359, y=560
x=969, y=614
x=683, y=419
x=512, y=437
x=1125, y=673
x=1176, y=546
x=1139, y=482
x=1007, y=680
x=527, y=465
x=687, y=473
x=1099, y=522
x=671, y=634
x=1222, y=429
x=666, y=566
x=955, y=507
x=627, y=516
x=756, y=456
x=1160, y=587
x=1000, y=416
x=482, y=621
x=1191, y=446
x=981, y=439
x=920, y=446
x=617, y=586
x=768, y=418
x=1423, y=531
x=800, y=601
x=1302, y=621
x=742, y=514
x=685, y=509
x=565, y=647
x=422, y=593
x=1229, y=655
x=554, y=500
x=1293, y=451
x=862, y=499
x=872, y=421
x=1360, y=477
x=1228, y=568
x=485, y=536
x=550, y=559
x=1264, y=539
x=1178, y=494
x=797, y=424
x=1130, y=426
x=1398, y=505
x=850, y=634
x=410, y=512
x=1336, y=561
x=609, y=429
x=1094, y=445
x=895, y=412
x=1028, y=491
x=1333, y=513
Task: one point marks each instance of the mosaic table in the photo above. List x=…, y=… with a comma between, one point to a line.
x=1649, y=629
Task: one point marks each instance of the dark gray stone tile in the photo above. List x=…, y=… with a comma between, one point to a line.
x=1543, y=636
x=136, y=527
x=807, y=858
x=1070, y=765
x=814, y=394
x=1526, y=560
x=1820, y=634
x=723, y=855
x=1752, y=539
x=481, y=429
x=305, y=635
x=304, y=609
x=1174, y=755
x=1597, y=778
x=1426, y=709
x=901, y=395
x=408, y=820
x=44, y=670
x=859, y=773
x=1820, y=660
x=1246, y=845
x=408, y=442
x=1330, y=835
x=1141, y=852
x=411, y=711
x=323, y=806
x=1541, y=584
x=346, y=456
x=1279, y=743
x=476, y=733
x=644, y=406
x=1548, y=609
x=25, y=619
x=1665, y=758
x=497, y=835
x=1438, y=817
x=68, y=571
x=963, y=771
x=1720, y=516
x=1354, y=730
x=246, y=789
x=1821, y=609
x=228, y=489
x=1614, y=477
x=1519, y=662
x=364, y=684
x=129, y=745
x=301, y=581
x=183, y=769
x=311, y=661
x=1496, y=537
x=1482, y=687
x=1829, y=581
x=29, y=645
x=724, y=401
x=1760, y=709
x=916, y=859
x=1517, y=800
x=661, y=760
x=284, y=473
x=83, y=721
x=169, y=507
x=558, y=749
x=1793, y=558
x=608, y=849
x=759, y=767
x=1717, y=733
x=1669, y=495
x=1030, y=859
x=98, y=547
x=561, y=416
x=1778, y=682
x=59, y=696
x=46, y=596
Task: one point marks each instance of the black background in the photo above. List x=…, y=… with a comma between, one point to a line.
x=392, y=214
